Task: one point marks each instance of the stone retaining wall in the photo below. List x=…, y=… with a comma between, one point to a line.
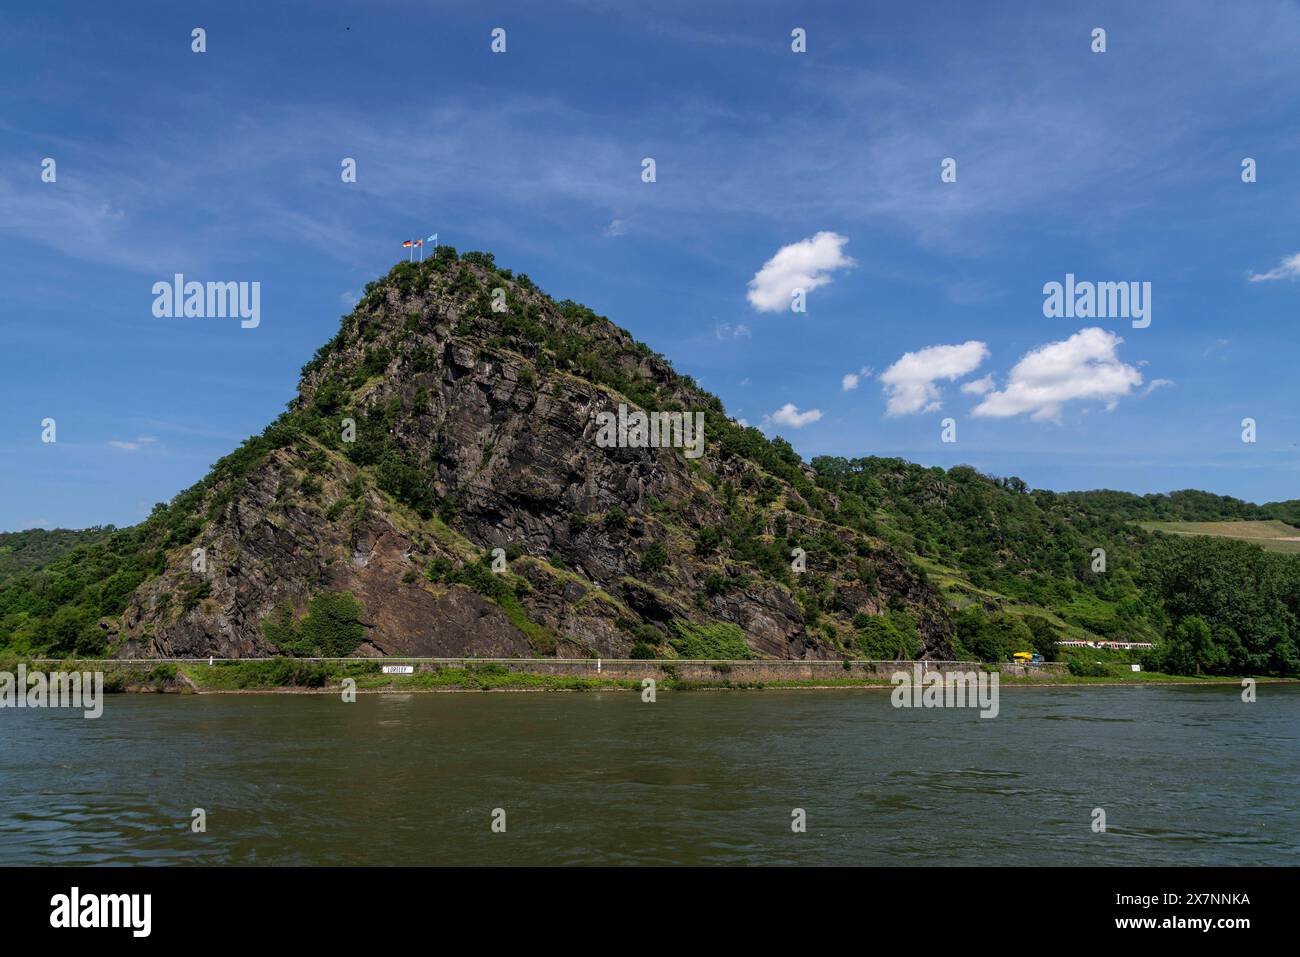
x=740, y=671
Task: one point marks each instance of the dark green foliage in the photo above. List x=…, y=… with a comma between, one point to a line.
x=280, y=628
x=709, y=539
x=654, y=558
x=331, y=628
x=643, y=633
x=720, y=640
x=22, y=552
x=1192, y=650
x=194, y=589
x=1085, y=666
x=333, y=624
x=279, y=673
x=1247, y=598
x=995, y=637
x=889, y=637
x=1044, y=635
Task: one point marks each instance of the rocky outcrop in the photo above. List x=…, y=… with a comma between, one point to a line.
x=475, y=430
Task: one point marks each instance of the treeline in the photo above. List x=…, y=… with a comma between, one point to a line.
x=1188, y=505
x=1230, y=608
x=22, y=552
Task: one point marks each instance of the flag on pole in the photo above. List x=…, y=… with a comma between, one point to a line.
x=409, y=242
x=433, y=239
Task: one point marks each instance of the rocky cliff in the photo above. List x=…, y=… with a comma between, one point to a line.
x=455, y=413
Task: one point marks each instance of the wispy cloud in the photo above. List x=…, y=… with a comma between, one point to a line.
x=1288, y=268
x=135, y=445
x=725, y=330
x=851, y=380
x=1156, y=384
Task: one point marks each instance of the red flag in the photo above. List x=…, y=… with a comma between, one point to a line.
x=408, y=243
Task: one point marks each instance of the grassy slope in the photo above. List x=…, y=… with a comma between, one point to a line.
x=1272, y=535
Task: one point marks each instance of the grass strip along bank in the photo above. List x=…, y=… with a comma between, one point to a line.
x=302, y=675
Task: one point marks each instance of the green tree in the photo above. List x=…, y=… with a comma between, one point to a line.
x=333, y=624
x=1191, y=650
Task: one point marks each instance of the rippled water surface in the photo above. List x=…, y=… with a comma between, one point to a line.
x=1185, y=776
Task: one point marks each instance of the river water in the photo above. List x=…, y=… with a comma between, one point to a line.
x=1184, y=776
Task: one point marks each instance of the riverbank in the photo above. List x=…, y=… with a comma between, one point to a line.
x=304, y=676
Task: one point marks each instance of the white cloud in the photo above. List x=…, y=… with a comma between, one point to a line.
x=1288, y=268
x=909, y=383
x=980, y=386
x=790, y=415
x=725, y=330
x=803, y=265
x=43, y=523
x=852, y=379
x=139, y=443
x=1083, y=366
x=616, y=227
x=1156, y=384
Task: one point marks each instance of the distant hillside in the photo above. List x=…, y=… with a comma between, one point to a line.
x=22, y=552
x=440, y=486
x=1188, y=505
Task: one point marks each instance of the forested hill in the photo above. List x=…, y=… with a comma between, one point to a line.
x=23, y=552
x=1212, y=605
x=454, y=413
x=1188, y=505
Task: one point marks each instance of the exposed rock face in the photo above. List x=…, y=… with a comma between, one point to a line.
x=476, y=430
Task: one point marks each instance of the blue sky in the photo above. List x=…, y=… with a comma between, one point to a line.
x=225, y=165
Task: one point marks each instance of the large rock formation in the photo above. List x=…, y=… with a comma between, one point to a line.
x=435, y=428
